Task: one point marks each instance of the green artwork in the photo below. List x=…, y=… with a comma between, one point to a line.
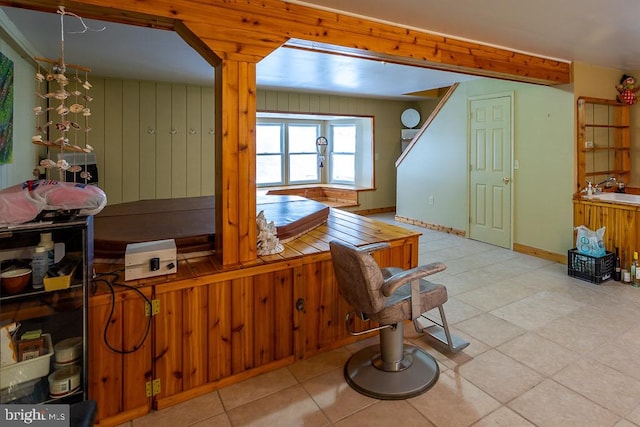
x=6, y=109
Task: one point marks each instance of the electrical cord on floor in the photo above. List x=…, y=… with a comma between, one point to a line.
x=110, y=284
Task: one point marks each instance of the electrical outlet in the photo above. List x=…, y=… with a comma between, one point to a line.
x=430, y=200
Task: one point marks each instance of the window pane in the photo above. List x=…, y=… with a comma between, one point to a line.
x=268, y=138
x=343, y=167
x=303, y=167
x=344, y=139
x=269, y=169
x=302, y=139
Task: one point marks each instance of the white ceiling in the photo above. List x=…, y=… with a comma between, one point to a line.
x=591, y=31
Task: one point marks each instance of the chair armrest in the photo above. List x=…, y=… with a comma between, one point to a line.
x=392, y=283
x=372, y=247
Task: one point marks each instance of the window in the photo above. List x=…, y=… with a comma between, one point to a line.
x=303, y=159
x=343, y=153
x=269, y=150
x=287, y=153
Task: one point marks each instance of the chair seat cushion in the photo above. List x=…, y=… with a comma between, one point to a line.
x=398, y=306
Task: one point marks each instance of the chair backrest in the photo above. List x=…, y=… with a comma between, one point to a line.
x=359, y=277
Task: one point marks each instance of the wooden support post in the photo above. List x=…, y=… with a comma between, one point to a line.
x=235, y=86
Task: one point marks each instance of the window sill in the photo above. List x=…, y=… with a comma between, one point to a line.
x=334, y=195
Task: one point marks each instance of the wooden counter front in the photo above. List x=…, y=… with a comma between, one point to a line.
x=218, y=326
x=621, y=222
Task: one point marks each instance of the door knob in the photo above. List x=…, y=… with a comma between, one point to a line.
x=506, y=179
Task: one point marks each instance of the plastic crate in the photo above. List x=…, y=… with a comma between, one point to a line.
x=589, y=268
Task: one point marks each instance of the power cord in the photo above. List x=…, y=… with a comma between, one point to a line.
x=100, y=278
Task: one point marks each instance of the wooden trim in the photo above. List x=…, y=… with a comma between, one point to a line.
x=540, y=253
x=427, y=122
x=249, y=30
x=209, y=387
x=374, y=211
x=448, y=230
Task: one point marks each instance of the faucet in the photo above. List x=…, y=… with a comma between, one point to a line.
x=607, y=184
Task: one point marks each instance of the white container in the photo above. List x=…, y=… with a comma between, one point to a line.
x=39, y=267
x=49, y=248
x=68, y=351
x=17, y=373
x=64, y=381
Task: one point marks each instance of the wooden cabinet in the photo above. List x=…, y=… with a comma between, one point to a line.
x=603, y=141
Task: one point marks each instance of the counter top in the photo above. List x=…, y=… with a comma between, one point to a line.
x=341, y=225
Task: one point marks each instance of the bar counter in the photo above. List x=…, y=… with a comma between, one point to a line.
x=219, y=325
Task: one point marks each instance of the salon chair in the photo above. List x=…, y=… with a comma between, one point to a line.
x=391, y=296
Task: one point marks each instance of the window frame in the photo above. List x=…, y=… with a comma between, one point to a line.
x=364, y=163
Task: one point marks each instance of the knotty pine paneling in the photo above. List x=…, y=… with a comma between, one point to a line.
x=620, y=221
x=117, y=380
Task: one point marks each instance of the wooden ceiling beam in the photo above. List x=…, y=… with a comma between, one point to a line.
x=251, y=29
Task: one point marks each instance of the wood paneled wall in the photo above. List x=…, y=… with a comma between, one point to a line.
x=153, y=140
x=139, y=157
x=386, y=133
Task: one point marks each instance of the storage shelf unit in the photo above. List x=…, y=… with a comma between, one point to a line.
x=61, y=313
x=603, y=141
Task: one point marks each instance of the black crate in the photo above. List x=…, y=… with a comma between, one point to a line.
x=589, y=268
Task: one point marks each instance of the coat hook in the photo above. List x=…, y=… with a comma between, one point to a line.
x=173, y=131
x=192, y=131
x=151, y=130
x=211, y=132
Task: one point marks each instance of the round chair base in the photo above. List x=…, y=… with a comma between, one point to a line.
x=364, y=377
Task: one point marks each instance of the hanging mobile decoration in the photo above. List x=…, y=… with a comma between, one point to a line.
x=63, y=110
x=321, y=147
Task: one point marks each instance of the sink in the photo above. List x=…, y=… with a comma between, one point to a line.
x=618, y=197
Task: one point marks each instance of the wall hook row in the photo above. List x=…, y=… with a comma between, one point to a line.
x=211, y=132
x=173, y=131
x=151, y=130
x=192, y=131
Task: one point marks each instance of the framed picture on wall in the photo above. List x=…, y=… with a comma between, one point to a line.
x=6, y=110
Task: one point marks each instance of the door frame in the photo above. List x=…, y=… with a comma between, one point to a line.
x=511, y=95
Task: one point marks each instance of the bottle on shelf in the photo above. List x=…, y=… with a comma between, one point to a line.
x=617, y=273
x=39, y=267
x=634, y=270
x=49, y=247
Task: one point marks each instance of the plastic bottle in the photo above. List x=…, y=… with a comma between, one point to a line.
x=636, y=279
x=617, y=274
x=634, y=270
x=49, y=247
x=39, y=267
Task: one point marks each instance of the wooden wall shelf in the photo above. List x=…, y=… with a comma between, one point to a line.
x=604, y=141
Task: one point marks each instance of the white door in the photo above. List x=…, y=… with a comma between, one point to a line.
x=490, y=170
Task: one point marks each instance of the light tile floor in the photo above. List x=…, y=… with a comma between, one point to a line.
x=546, y=350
